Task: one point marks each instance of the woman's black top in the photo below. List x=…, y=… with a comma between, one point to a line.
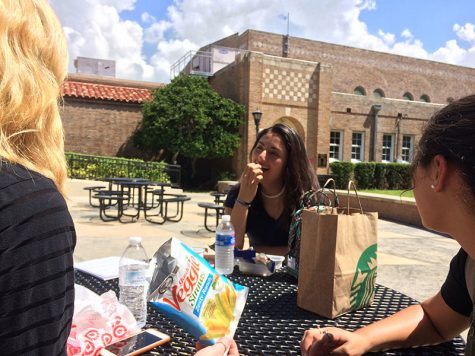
x=262, y=229
x=37, y=240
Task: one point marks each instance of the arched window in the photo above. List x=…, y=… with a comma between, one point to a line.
x=359, y=91
x=425, y=98
x=408, y=96
x=378, y=93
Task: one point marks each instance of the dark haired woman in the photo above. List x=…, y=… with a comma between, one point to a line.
x=444, y=189
x=269, y=190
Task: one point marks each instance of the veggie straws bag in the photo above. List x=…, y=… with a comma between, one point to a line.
x=189, y=291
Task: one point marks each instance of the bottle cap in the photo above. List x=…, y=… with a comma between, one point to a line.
x=135, y=240
x=226, y=218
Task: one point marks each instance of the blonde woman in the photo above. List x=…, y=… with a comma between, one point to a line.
x=37, y=235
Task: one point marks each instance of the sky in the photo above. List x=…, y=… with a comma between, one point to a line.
x=145, y=37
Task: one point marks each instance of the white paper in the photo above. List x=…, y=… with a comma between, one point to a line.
x=105, y=268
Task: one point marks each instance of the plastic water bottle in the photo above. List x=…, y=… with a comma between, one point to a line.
x=224, y=246
x=133, y=266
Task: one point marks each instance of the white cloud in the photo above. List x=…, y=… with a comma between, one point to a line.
x=453, y=52
x=94, y=28
x=465, y=32
x=156, y=32
x=411, y=48
x=147, y=18
x=406, y=33
x=450, y=53
x=387, y=37
x=119, y=5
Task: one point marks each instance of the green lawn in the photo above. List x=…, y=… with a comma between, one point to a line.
x=407, y=194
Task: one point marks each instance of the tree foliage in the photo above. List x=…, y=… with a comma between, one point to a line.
x=190, y=118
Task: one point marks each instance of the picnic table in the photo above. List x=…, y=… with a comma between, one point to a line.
x=133, y=195
x=272, y=324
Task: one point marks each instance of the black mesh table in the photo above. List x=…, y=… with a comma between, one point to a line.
x=272, y=324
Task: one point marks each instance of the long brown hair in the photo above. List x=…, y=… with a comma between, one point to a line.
x=299, y=175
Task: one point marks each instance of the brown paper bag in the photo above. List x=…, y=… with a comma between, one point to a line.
x=338, y=262
x=316, y=200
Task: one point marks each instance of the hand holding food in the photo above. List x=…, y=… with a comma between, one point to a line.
x=250, y=179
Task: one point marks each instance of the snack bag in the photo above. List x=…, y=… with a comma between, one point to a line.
x=189, y=291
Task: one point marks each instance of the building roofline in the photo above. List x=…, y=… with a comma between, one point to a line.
x=359, y=49
x=116, y=82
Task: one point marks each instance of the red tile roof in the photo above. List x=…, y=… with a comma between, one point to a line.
x=105, y=92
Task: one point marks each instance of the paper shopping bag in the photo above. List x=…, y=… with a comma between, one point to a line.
x=338, y=261
x=316, y=200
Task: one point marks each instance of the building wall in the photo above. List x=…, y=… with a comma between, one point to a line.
x=353, y=113
x=98, y=127
x=233, y=82
x=353, y=67
x=295, y=92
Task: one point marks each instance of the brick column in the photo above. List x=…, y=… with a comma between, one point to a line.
x=254, y=98
x=319, y=130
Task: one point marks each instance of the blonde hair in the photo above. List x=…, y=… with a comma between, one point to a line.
x=33, y=64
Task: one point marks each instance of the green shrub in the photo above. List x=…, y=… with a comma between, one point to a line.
x=372, y=175
x=100, y=167
x=364, y=175
x=380, y=176
x=398, y=176
x=343, y=172
x=226, y=175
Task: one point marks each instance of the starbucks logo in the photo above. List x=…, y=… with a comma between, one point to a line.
x=362, y=287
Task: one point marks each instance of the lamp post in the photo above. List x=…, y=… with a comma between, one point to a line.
x=257, y=119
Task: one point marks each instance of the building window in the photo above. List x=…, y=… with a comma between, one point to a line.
x=359, y=91
x=407, y=148
x=357, y=149
x=335, y=146
x=378, y=93
x=425, y=98
x=388, y=147
x=408, y=96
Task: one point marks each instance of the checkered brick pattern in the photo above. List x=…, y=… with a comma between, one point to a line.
x=288, y=85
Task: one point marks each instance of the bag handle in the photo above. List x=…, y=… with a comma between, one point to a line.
x=336, y=201
x=352, y=184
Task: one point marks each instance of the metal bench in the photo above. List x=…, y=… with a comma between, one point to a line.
x=163, y=201
x=93, y=189
x=218, y=211
x=106, y=202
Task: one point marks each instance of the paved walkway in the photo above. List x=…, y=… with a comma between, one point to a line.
x=411, y=260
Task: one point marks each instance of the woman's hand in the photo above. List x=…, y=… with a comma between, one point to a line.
x=250, y=179
x=222, y=345
x=332, y=341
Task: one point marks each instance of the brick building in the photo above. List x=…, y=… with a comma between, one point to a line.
x=100, y=113
x=347, y=103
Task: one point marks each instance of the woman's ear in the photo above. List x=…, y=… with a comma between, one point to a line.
x=439, y=172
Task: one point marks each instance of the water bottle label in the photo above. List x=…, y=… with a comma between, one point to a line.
x=225, y=240
x=135, y=278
